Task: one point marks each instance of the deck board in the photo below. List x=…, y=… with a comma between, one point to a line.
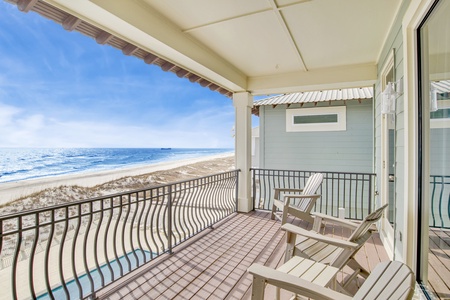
x=439, y=262
x=214, y=264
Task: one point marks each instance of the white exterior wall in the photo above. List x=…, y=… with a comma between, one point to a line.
x=394, y=43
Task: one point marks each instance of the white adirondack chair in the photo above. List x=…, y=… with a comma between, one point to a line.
x=328, y=250
x=389, y=280
x=297, y=202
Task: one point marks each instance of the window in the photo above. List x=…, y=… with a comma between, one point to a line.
x=440, y=116
x=316, y=119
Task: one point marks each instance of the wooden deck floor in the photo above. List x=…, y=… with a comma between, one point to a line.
x=439, y=262
x=214, y=264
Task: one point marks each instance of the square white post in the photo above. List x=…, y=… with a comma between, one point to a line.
x=243, y=103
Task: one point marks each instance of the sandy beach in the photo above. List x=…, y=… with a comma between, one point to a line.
x=36, y=193
x=81, y=233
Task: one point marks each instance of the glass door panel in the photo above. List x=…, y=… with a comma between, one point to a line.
x=434, y=36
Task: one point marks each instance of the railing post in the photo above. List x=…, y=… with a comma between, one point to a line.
x=169, y=205
x=237, y=190
x=370, y=194
x=253, y=174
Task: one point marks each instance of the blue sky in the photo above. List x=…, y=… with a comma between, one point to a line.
x=62, y=89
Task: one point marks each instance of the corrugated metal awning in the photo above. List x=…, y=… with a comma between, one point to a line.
x=319, y=96
x=442, y=86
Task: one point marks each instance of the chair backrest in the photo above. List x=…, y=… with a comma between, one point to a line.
x=389, y=280
x=365, y=225
x=313, y=183
x=310, y=188
x=359, y=236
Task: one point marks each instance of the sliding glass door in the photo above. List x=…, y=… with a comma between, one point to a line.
x=434, y=151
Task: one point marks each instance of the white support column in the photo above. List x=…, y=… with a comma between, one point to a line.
x=243, y=103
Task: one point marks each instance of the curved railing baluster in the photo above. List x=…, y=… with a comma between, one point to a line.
x=96, y=235
x=73, y=258
x=105, y=240
x=47, y=254
x=116, y=226
x=16, y=258
x=146, y=226
x=85, y=248
x=160, y=219
x=175, y=211
x=61, y=251
x=124, y=225
x=138, y=226
x=96, y=250
x=131, y=235
x=197, y=205
x=190, y=213
x=32, y=255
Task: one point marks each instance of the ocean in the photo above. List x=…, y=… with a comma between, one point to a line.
x=18, y=164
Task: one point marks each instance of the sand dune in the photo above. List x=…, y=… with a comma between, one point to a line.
x=32, y=194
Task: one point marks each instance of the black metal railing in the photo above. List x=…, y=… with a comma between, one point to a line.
x=70, y=251
x=352, y=191
x=440, y=201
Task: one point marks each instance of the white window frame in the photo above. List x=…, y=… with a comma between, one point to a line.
x=340, y=125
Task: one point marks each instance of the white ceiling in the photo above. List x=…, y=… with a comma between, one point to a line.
x=262, y=46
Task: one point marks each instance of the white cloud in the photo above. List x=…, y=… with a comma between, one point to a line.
x=71, y=92
x=35, y=130
x=7, y=114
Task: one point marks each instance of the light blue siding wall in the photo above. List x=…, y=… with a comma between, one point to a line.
x=394, y=41
x=342, y=151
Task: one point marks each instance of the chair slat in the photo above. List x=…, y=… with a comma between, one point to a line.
x=389, y=280
x=292, y=264
x=397, y=285
x=371, y=281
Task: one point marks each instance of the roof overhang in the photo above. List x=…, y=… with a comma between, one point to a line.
x=140, y=25
x=259, y=46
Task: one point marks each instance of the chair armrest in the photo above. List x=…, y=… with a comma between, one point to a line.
x=295, y=284
x=301, y=196
x=288, y=206
x=288, y=190
x=335, y=220
x=278, y=190
x=287, y=198
x=319, y=237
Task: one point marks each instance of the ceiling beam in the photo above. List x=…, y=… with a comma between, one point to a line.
x=129, y=49
x=70, y=23
x=103, y=38
x=313, y=80
x=256, y=12
x=26, y=5
x=287, y=31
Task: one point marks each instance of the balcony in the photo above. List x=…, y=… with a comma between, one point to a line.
x=183, y=240
x=214, y=266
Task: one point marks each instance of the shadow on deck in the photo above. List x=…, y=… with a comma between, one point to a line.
x=214, y=264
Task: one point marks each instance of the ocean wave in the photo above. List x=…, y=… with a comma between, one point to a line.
x=27, y=163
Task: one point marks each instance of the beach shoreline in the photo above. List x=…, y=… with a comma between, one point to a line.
x=12, y=191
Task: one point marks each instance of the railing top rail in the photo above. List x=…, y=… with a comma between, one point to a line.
x=85, y=201
x=441, y=176
x=313, y=171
